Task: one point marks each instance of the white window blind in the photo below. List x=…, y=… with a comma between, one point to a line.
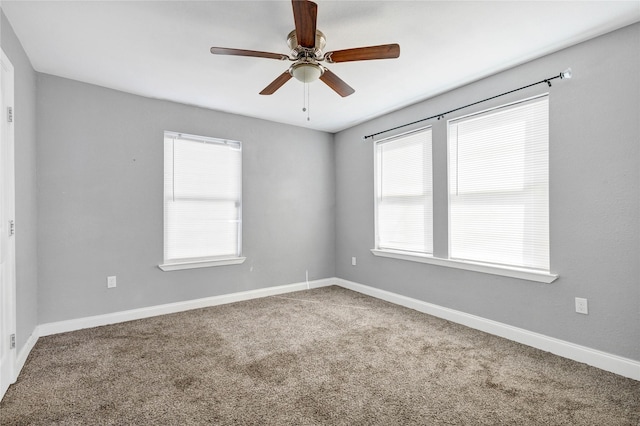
x=404, y=218
x=499, y=186
x=202, y=198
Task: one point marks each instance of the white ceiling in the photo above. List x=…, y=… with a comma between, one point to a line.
x=160, y=49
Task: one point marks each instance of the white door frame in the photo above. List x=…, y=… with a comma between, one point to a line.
x=7, y=238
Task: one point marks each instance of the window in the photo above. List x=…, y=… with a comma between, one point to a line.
x=404, y=193
x=497, y=179
x=202, y=201
x=499, y=186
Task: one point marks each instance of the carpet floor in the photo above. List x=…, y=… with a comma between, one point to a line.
x=323, y=356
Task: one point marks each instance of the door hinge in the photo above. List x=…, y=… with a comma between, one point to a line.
x=12, y=227
x=12, y=341
x=10, y=114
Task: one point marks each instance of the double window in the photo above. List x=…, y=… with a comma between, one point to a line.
x=202, y=201
x=498, y=193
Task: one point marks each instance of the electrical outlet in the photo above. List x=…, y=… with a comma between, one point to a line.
x=582, y=306
x=353, y=261
x=111, y=281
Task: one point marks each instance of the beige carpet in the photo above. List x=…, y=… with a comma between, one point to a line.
x=324, y=356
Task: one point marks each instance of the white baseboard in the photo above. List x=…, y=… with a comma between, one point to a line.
x=20, y=359
x=171, y=308
x=25, y=351
x=623, y=366
x=605, y=361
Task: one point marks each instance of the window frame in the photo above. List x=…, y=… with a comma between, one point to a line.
x=387, y=140
x=504, y=195
x=205, y=261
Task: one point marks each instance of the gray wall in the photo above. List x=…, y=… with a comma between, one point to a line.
x=100, y=186
x=25, y=179
x=594, y=198
x=99, y=201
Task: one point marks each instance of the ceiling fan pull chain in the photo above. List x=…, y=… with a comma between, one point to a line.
x=308, y=101
x=304, y=98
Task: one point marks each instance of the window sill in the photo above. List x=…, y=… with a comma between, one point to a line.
x=523, y=274
x=201, y=264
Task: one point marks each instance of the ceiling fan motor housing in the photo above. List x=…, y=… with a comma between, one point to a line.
x=292, y=42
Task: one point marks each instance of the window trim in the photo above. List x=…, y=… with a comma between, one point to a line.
x=505, y=271
x=176, y=266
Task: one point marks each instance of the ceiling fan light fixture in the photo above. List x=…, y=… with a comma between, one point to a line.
x=306, y=72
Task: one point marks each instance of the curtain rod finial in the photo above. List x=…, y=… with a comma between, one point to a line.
x=566, y=73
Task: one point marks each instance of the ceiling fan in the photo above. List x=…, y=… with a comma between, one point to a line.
x=306, y=44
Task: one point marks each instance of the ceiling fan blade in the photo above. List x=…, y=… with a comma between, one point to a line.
x=384, y=51
x=242, y=52
x=276, y=84
x=305, y=14
x=336, y=83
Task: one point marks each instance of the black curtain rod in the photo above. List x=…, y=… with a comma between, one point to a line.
x=564, y=74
